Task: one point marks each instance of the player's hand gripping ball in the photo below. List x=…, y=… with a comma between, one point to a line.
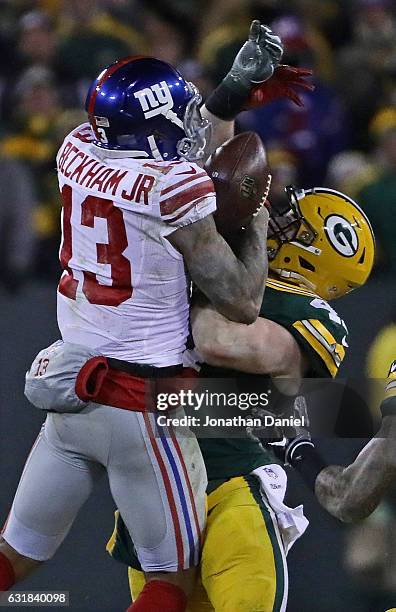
x=242, y=180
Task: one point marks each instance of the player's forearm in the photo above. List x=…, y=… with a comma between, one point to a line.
x=253, y=254
x=227, y=286
x=330, y=487
x=235, y=286
x=221, y=132
x=264, y=347
x=243, y=280
x=352, y=493
x=232, y=286
x=230, y=347
x=224, y=343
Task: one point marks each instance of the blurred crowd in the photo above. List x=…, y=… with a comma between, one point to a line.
x=344, y=137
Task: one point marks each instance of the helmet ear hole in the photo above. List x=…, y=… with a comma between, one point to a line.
x=306, y=264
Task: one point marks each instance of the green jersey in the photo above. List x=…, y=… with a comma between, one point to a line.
x=322, y=337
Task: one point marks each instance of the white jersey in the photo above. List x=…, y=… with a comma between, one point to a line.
x=124, y=289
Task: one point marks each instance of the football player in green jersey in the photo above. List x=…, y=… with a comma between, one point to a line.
x=321, y=248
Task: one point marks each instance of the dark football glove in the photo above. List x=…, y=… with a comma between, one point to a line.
x=294, y=437
x=283, y=441
x=290, y=450
x=296, y=447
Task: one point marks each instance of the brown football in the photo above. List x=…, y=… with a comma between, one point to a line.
x=242, y=179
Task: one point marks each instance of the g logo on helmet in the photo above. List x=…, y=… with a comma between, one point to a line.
x=341, y=235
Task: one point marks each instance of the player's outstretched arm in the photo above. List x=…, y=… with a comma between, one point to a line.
x=352, y=493
x=348, y=493
x=265, y=347
x=256, y=78
x=254, y=64
x=235, y=286
x=222, y=131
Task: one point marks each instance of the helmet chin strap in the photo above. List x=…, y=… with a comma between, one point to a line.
x=306, y=247
x=288, y=274
x=115, y=153
x=154, y=148
x=171, y=116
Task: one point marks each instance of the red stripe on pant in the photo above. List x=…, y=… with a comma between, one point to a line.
x=169, y=493
x=187, y=478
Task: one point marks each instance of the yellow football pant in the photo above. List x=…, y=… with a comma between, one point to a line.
x=243, y=566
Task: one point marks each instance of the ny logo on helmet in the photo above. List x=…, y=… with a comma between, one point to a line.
x=157, y=100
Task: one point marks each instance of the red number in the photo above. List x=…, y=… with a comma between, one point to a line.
x=111, y=253
x=42, y=367
x=68, y=285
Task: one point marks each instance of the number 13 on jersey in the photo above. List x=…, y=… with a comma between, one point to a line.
x=111, y=253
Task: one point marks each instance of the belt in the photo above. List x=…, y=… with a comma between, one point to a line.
x=143, y=370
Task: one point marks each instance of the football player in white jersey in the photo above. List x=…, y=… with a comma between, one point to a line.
x=136, y=213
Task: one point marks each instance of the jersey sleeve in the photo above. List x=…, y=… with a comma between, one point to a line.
x=82, y=132
x=320, y=332
x=187, y=196
x=324, y=344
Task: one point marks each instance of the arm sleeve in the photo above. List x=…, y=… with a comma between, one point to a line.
x=187, y=196
x=324, y=348
x=316, y=326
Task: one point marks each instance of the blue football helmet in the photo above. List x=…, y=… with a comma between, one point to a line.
x=144, y=105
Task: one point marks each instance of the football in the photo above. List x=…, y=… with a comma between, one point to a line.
x=241, y=176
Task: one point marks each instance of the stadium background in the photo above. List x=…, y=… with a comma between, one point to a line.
x=344, y=137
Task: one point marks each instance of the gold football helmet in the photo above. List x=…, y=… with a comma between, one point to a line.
x=323, y=242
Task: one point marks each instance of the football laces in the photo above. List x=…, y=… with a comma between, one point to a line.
x=265, y=196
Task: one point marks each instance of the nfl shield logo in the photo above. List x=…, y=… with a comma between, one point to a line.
x=248, y=187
